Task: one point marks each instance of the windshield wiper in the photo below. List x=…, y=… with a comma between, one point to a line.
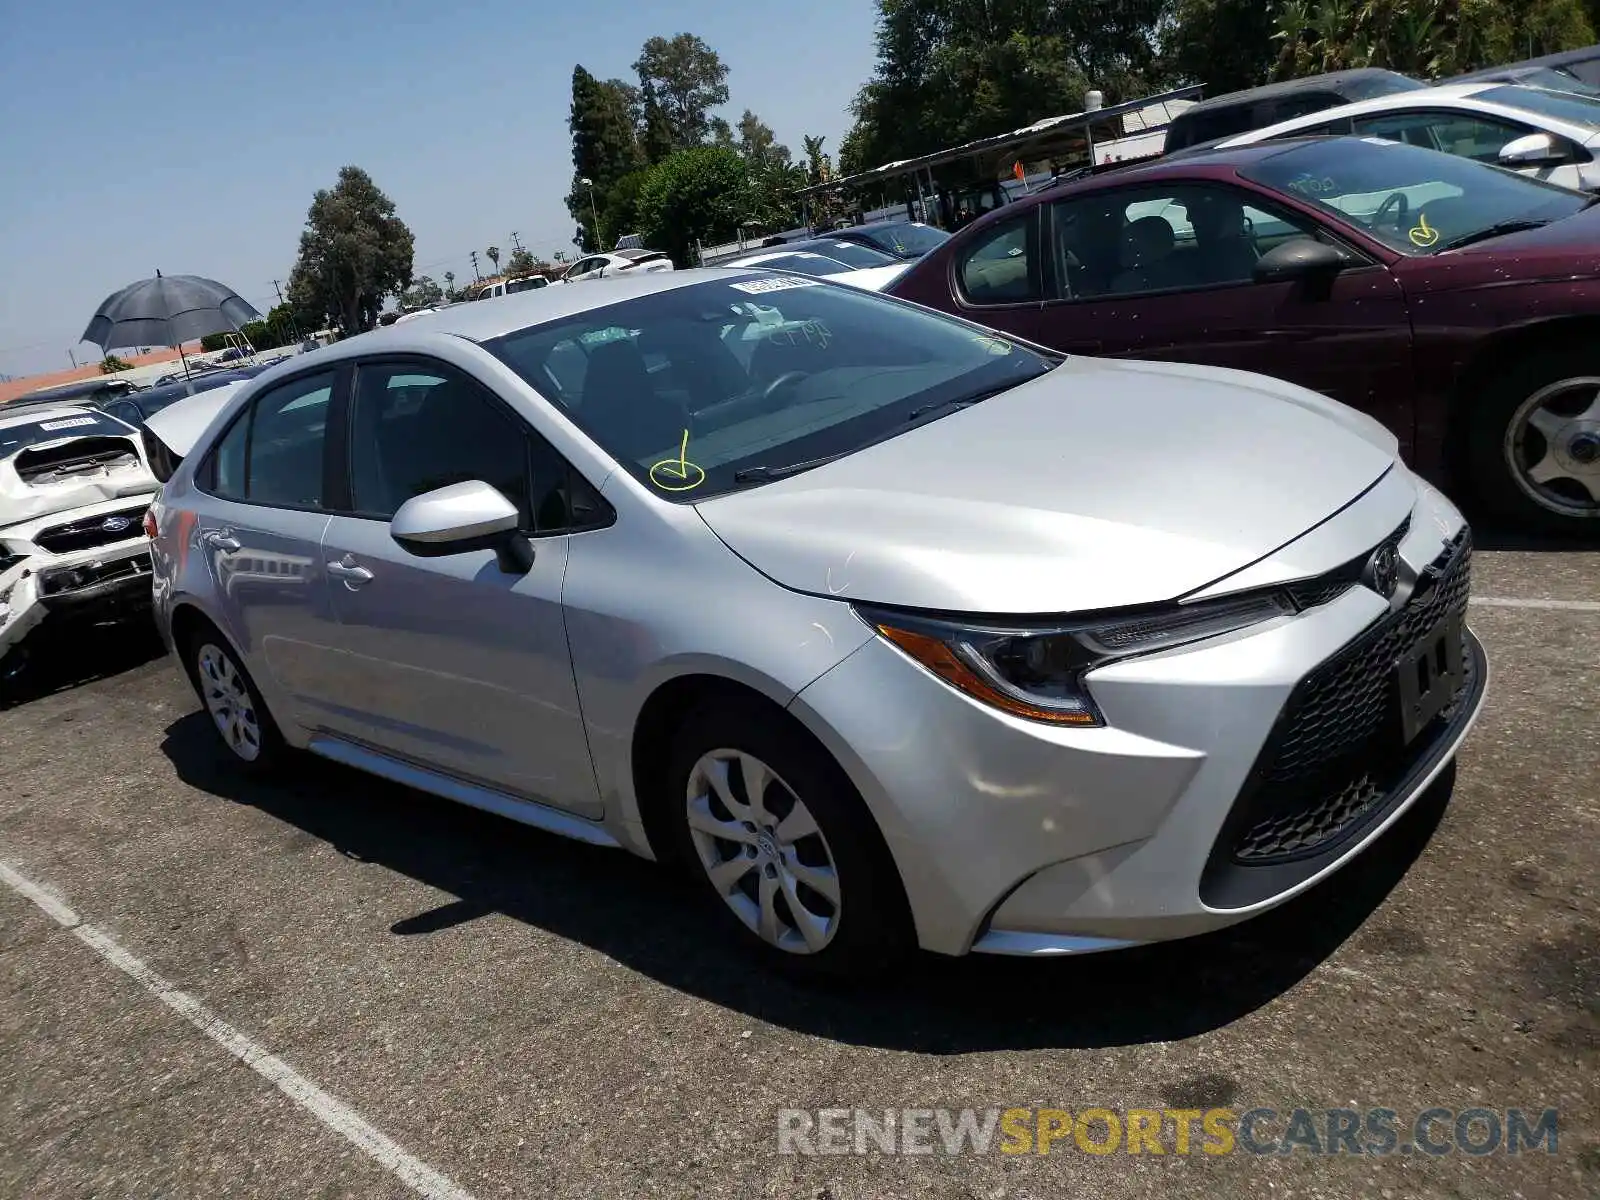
x=1494, y=231
x=765, y=474
x=961, y=402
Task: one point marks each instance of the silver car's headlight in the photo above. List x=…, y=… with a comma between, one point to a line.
x=1037, y=671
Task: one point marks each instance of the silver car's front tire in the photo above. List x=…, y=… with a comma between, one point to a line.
x=763, y=852
x=776, y=833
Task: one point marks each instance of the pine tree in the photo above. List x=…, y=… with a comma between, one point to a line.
x=605, y=146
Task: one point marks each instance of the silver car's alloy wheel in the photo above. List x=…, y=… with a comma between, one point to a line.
x=227, y=698
x=763, y=851
x=1552, y=447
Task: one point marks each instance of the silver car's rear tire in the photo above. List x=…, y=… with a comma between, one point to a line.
x=231, y=702
x=783, y=846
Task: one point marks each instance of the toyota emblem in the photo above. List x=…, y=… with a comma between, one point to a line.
x=116, y=524
x=1382, y=573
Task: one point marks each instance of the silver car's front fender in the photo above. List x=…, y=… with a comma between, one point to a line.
x=657, y=597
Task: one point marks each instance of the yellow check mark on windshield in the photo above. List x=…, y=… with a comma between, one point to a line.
x=1422, y=234
x=677, y=474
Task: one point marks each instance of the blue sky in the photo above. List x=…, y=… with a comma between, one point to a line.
x=190, y=136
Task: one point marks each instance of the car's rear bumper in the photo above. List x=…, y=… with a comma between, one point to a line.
x=1201, y=803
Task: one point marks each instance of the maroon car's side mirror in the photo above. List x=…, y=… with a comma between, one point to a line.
x=1302, y=258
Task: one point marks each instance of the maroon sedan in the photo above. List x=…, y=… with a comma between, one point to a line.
x=1457, y=303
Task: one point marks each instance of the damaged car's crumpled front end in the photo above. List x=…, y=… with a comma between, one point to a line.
x=74, y=488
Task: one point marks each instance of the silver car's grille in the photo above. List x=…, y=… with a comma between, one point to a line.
x=1309, y=593
x=1337, y=753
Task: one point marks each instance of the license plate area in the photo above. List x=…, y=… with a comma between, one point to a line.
x=1429, y=676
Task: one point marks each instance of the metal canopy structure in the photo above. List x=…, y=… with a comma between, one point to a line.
x=1070, y=132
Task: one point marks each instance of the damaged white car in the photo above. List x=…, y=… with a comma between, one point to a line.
x=74, y=489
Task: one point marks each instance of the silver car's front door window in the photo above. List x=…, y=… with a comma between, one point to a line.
x=261, y=533
x=451, y=661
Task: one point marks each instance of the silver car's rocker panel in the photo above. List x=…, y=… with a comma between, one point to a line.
x=525, y=812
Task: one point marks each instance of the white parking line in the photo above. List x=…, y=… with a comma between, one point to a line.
x=333, y=1113
x=1552, y=605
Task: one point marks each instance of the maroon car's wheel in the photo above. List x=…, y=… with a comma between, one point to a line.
x=1534, y=443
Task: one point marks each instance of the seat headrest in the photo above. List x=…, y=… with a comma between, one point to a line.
x=1146, y=239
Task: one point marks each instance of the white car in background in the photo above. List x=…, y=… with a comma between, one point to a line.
x=74, y=489
x=806, y=262
x=618, y=263
x=1550, y=135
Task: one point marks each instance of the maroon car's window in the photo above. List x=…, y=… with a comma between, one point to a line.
x=1001, y=267
x=1163, y=239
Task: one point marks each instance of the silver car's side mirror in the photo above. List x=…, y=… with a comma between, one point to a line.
x=1531, y=150
x=460, y=518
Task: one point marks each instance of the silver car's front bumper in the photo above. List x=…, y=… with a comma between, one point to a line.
x=1202, y=802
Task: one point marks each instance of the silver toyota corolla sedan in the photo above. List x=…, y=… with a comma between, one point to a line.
x=891, y=631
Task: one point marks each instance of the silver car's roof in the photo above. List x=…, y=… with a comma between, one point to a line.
x=481, y=322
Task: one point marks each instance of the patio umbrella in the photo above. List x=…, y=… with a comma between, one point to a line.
x=168, y=310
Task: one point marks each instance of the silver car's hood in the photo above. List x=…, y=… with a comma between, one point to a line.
x=1099, y=485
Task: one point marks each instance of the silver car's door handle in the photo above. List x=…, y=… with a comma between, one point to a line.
x=222, y=541
x=354, y=576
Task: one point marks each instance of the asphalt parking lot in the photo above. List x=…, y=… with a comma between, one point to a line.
x=480, y=1010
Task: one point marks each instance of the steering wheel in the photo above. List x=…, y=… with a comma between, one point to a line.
x=1402, y=210
x=787, y=379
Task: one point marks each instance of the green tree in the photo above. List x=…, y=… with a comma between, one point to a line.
x=354, y=252
x=700, y=194
x=1425, y=38
x=605, y=143
x=685, y=79
x=111, y=364
x=772, y=203
x=654, y=130
x=1224, y=44
x=423, y=293
x=757, y=143
x=621, y=213
x=520, y=262
x=493, y=255
x=450, y=292
x=949, y=71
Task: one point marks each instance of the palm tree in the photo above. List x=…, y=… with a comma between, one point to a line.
x=1294, y=22
x=449, y=285
x=1413, y=41
x=493, y=253
x=1332, y=25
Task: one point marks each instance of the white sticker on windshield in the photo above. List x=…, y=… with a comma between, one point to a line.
x=759, y=287
x=74, y=423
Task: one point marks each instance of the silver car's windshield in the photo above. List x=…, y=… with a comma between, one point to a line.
x=708, y=387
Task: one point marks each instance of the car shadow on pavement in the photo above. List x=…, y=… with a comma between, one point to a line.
x=1491, y=535
x=652, y=921
x=59, y=659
